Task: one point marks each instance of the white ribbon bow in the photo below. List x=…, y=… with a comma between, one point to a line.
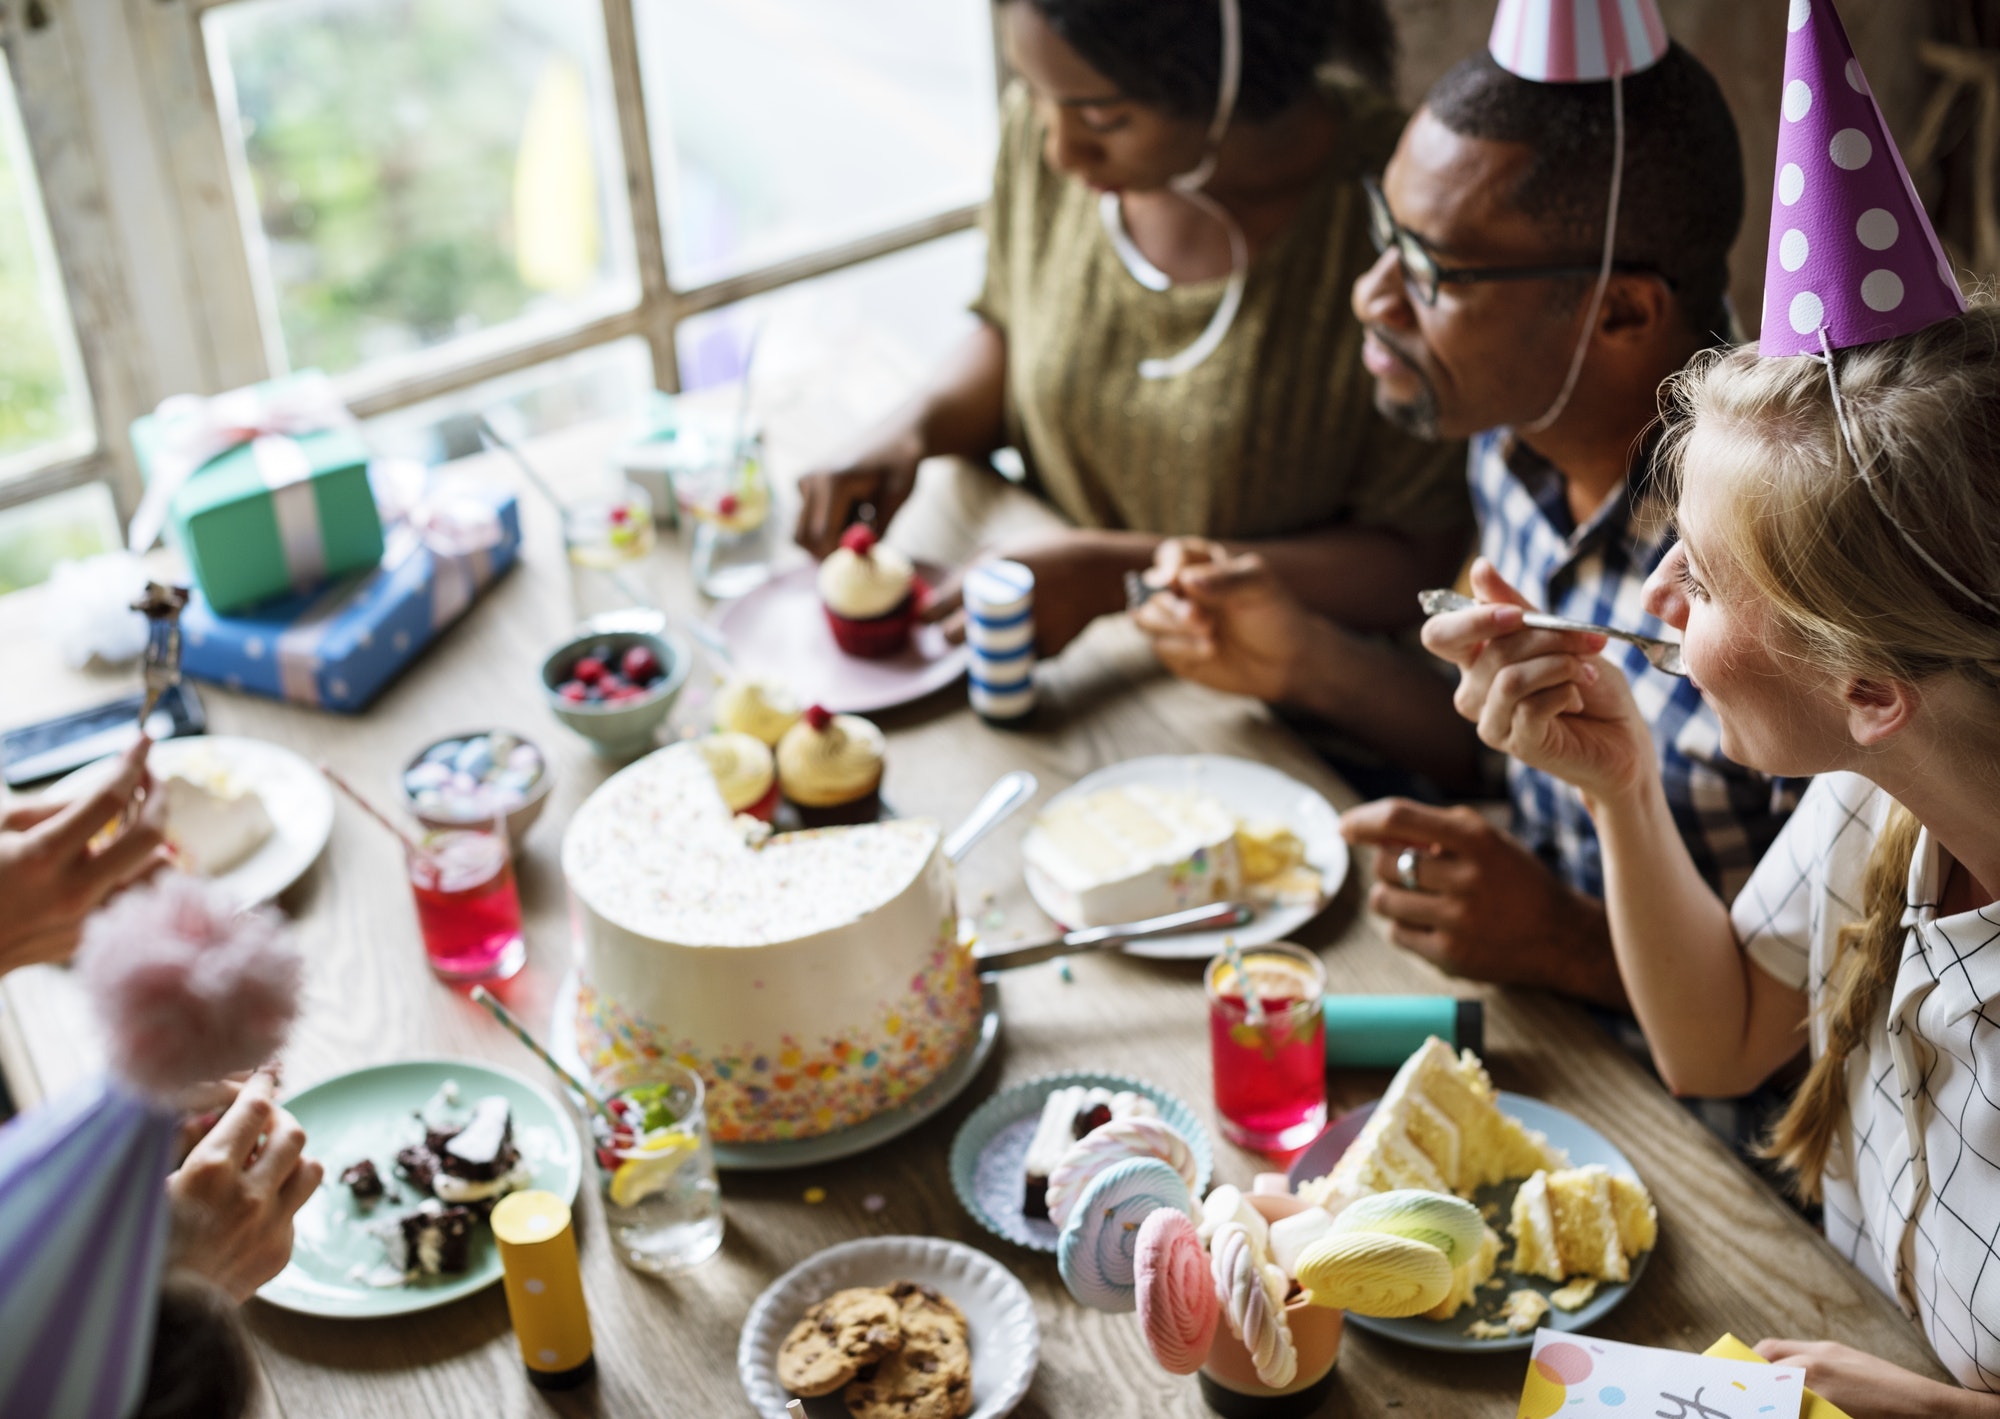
x=193, y=431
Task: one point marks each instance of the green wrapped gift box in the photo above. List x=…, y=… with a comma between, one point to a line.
x=280, y=513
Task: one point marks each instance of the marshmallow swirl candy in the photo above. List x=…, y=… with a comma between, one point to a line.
x=1451, y=1224
x=1095, y=1251
x=1251, y=1292
x=1374, y=1274
x=1178, y=1308
x=1110, y=1143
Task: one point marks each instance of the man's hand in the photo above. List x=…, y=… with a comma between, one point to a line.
x=831, y=499
x=1225, y=621
x=1868, y=1388
x=234, y=1198
x=1079, y=576
x=51, y=878
x=1482, y=906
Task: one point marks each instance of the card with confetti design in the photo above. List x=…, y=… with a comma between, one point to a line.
x=1582, y=1377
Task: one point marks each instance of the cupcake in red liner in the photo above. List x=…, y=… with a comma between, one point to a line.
x=830, y=767
x=871, y=593
x=745, y=773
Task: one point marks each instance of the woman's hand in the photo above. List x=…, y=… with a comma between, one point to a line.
x=881, y=479
x=234, y=1198
x=51, y=878
x=1868, y=1388
x=1224, y=621
x=1543, y=697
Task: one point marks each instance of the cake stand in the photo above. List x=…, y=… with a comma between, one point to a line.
x=825, y=1147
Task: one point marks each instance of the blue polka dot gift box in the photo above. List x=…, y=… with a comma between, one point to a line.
x=340, y=647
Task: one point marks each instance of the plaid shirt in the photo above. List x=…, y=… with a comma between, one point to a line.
x=1913, y=1192
x=1728, y=815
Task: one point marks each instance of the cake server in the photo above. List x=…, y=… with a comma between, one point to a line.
x=1216, y=916
x=1006, y=795
x=1663, y=655
x=162, y=607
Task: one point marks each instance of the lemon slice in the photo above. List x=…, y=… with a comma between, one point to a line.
x=650, y=1167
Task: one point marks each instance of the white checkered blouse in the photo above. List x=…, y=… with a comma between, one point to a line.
x=1917, y=1204
x=1728, y=815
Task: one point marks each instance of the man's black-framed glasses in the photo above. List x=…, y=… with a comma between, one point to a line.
x=1422, y=272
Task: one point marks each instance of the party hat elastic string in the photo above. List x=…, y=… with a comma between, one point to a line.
x=1874, y=489
x=1604, y=271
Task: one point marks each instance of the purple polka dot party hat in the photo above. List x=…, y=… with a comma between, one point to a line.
x=1577, y=41
x=1852, y=252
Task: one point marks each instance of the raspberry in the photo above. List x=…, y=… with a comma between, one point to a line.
x=640, y=665
x=819, y=717
x=575, y=691
x=859, y=539
x=727, y=505
x=621, y=514
x=589, y=670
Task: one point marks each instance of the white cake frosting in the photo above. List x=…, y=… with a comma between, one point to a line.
x=813, y=980
x=1128, y=853
x=213, y=818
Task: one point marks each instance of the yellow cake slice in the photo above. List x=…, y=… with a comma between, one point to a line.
x=1581, y=1222
x=1439, y=1128
x=1467, y=1277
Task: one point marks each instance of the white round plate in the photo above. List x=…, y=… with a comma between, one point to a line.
x=826, y=1147
x=780, y=630
x=1251, y=791
x=295, y=794
x=1006, y=1342
x=368, y=1113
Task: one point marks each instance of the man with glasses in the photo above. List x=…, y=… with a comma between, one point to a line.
x=1490, y=223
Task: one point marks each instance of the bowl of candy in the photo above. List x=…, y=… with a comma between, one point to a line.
x=476, y=777
x=614, y=687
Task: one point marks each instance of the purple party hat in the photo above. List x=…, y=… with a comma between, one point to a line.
x=1577, y=41
x=188, y=990
x=1852, y=252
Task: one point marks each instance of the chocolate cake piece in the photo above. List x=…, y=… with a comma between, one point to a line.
x=436, y=1240
x=484, y=1149
x=363, y=1181
x=418, y=1163
x=1067, y=1115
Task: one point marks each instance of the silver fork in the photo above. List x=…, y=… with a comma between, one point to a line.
x=162, y=608
x=1662, y=655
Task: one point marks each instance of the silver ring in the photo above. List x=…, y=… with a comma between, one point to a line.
x=1406, y=868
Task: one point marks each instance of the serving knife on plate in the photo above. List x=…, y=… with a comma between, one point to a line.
x=1217, y=916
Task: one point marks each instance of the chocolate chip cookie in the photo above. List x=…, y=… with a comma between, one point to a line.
x=929, y=1378
x=923, y=1311
x=837, y=1338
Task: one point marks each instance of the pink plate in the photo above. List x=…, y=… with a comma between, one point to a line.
x=780, y=630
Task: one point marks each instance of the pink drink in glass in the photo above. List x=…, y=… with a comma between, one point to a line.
x=467, y=906
x=1270, y=1075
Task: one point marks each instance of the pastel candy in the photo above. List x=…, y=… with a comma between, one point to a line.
x=1290, y=1236
x=1244, y=1287
x=1095, y=1251
x=1374, y=1274
x=1178, y=1308
x=1228, y=1204
x=1110, y=1143
x=1451, y=1224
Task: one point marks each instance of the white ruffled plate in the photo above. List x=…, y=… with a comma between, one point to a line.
x=1006, y=1342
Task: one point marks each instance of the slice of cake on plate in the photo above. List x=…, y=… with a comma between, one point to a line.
x=1581, y=1222
x=213, y=818
x=1125, y=854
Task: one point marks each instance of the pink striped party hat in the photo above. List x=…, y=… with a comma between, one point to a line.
x=1852, y=252
x=1577, y=41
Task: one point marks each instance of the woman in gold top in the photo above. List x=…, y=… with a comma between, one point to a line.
x=1165, y=332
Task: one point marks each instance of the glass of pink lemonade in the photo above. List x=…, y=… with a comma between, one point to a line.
x=468, y=908
x=1270, y=1066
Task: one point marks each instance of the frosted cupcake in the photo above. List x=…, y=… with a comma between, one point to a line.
x=871, y=594
x=830, y=767
x=757, y=706
x=744, y=771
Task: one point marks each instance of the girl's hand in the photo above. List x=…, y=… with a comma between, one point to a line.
x=1868, y=1388
x=1543, y=697
x=234, y=1197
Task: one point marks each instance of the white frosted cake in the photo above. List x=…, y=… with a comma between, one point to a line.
x=1125, y=854
x=812, y=979
x=214, y=819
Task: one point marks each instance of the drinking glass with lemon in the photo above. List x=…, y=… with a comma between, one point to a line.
x=655, y=1168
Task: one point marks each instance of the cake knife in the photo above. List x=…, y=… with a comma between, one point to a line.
x=1214, y=917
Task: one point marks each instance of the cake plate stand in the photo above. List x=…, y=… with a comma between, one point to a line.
x=825, y=1147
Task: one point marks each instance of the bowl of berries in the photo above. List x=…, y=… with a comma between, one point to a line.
x=614, y=687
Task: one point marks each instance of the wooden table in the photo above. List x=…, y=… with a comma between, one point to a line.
x=1731, y=1255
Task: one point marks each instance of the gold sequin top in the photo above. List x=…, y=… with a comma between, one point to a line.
x=1274, y=433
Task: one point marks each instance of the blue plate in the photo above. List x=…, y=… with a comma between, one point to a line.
x=989, y=1155
x=1584, y=1144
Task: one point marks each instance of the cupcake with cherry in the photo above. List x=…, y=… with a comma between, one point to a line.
x=871, y=593
x=830, y=768
x=758, y=706
x=746, y=773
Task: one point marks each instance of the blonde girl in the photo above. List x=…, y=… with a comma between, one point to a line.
x=1836, y=642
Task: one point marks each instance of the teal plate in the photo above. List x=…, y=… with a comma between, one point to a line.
x=1584, y=1144
x=990, y=1152
x=369, y=1113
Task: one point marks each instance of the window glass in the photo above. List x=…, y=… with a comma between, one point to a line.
x=785, y=126
x=44, y=402
x=34, y=536
x=417, y=172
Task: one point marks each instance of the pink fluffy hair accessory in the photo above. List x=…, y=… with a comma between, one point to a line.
x=188, y=988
